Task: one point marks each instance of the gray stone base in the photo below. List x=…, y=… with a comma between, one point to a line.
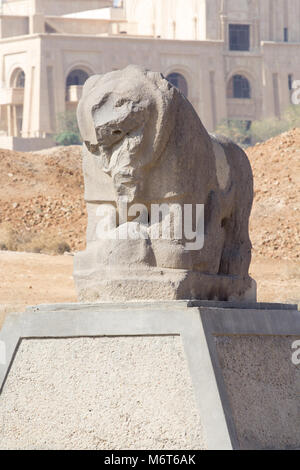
x=136, y=284
x=150, y=375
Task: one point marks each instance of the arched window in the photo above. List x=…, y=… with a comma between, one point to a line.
x=77, y=77
x=179, y=82
x=239, y=87
x=18, y=79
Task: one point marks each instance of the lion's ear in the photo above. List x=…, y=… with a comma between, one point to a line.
x=156, y=77
x=84, y=116
x=90, y=82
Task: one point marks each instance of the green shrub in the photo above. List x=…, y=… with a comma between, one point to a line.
x=235, y=130
x=62, y=247
x=292, y=116
x=266, y=129
x=67, y=129
x=67, y=138
x=21, y=240
x=262, y=130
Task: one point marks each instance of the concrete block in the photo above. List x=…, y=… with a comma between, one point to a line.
x=150, y=375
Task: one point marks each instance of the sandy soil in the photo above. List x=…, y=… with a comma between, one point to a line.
x=31, y=279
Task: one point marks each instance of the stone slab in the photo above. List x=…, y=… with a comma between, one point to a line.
x=216, y=337
x=101, y=393
x=251, y=351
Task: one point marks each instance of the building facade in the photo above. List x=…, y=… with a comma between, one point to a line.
x=234, y=59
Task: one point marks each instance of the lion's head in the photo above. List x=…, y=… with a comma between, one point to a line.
x=125, y=119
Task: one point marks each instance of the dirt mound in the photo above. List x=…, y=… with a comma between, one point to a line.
x=274, y=224
x=42, y=207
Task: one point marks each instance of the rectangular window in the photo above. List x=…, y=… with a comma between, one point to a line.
x=239, y=37
x=286, y=35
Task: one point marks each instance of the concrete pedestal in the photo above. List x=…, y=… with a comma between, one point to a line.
x=153, y=375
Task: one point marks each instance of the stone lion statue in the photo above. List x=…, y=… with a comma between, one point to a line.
x=145, y=144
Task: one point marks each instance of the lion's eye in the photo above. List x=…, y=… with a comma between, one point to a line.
x=120, y=102
x=108, y=136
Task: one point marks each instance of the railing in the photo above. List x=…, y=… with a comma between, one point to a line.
x=240, y=108
x=74, y=93
x=12, y=96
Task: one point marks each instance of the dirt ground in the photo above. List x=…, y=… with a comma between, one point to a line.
x=31, y=279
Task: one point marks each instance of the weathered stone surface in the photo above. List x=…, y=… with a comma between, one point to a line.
x=130, y=393
x=143, y=141
x=263, y=386
x=115, y=375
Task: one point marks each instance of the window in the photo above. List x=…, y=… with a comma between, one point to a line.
x=18, y=79
x=286, y=35
x=179, y=82
x=239, y=37
x=77, y=77
x=239, y=87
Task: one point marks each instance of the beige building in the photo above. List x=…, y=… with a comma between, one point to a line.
x=234, y=59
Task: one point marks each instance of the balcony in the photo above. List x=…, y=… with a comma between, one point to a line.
x=11, y=96
x=241, y=108
x=74, y=93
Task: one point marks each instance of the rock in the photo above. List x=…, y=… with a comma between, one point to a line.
x=144, y=143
